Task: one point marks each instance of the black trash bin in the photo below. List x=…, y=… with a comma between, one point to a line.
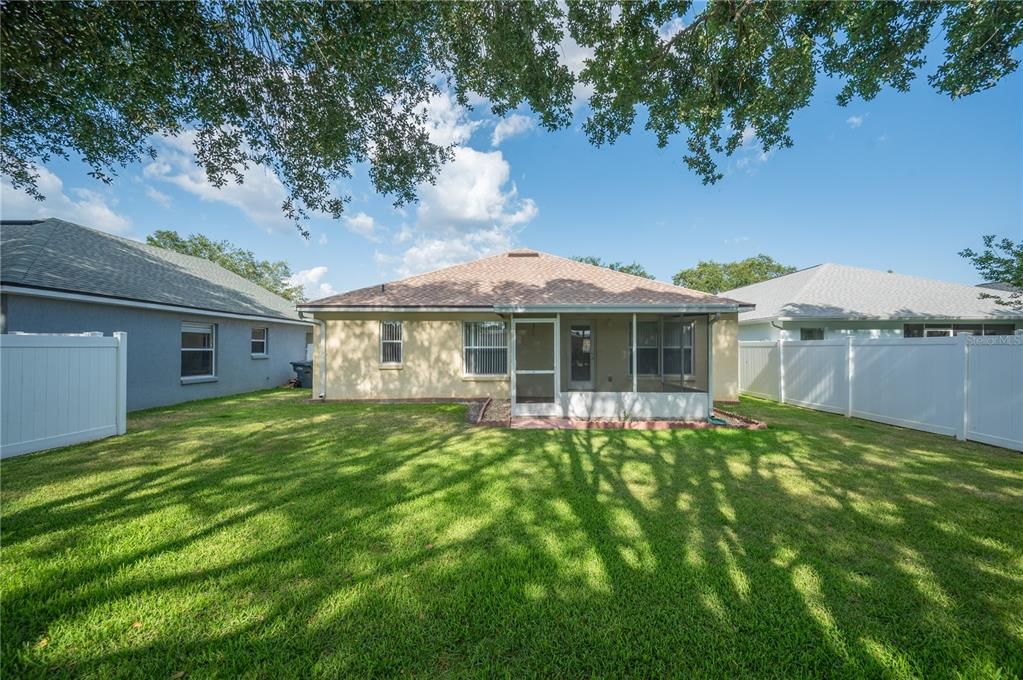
x=304, y=371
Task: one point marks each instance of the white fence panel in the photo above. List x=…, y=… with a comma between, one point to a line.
x=912, y=382
x=965, y=386
x=57, y=390
x=758, y=369
x=816, y=374
x=995, y=391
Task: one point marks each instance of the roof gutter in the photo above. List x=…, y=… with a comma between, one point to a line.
x=526, y=309
x=137, y=304
x=906, y=319
x=625, y=309
x=391, y=308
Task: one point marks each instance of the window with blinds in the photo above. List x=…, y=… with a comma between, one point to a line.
x=391, y=341
x=485, y=348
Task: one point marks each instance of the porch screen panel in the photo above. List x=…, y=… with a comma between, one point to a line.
x=486, y=348
x=647, y=348
x=672, y=348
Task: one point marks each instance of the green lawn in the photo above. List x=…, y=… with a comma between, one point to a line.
x=263, y=536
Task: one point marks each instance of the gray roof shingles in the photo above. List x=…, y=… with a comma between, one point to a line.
x=523, y=277
x=63, y=256
x=835, y=291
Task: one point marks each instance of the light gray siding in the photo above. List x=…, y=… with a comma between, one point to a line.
x=154, y=346
x=838, y=329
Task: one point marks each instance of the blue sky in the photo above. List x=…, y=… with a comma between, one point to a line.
x=902, y=182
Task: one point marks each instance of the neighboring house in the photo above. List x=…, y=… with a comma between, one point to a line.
x=833, y=300
x=195, y=329
x=554, y=336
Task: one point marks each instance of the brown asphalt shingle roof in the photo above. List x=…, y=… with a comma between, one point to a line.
x=521, y=277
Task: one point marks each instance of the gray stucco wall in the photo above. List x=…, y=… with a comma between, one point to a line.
x=154, y=346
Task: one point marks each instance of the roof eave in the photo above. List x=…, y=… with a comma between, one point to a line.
x=394, y=308
x=97, y=298
x=623, y=308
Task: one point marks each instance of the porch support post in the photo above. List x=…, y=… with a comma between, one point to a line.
x=557, y=362
x=710, y=364
x=511, y=358
x=635, y=377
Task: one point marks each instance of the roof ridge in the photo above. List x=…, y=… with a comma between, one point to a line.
x=39, y=251
x=806, y=284
x=635, y=276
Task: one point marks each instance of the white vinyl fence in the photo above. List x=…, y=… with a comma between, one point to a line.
x=57, y=390
x=970, y=387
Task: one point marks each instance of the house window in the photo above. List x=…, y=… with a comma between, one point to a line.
x=391, y=339
x=198, y=350
x=677, y=348
x=811, y=333
x=944, y=330
x=485, y=348
x=258, y=343
x=647, y=348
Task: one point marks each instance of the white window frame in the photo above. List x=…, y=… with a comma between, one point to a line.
x=193, y=327
x=400, y=342
x=265, y=341
x=685, y=343
x=466, y=348
x=660, y=341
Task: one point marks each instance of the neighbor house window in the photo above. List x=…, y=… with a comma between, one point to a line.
x=485, y=348
x=258, y=344
x=391, y=339
x=647, y=349
x=198, y=350
x=944, y=330
x=677, y=347
x=811, y=333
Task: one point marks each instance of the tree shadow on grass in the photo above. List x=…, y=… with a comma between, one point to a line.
x=265, y=536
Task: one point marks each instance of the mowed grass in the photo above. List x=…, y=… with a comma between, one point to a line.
x=262, y=536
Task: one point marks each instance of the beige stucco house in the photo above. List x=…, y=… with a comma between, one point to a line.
x=554, y=336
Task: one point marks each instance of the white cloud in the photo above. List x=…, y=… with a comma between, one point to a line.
x=323, y=239
x=750, y=162
x=574, y=56
x=470, y=191
x=448, y=122
x=670, y=28
x=854, y=121
x=433, y=253
x=259, y=196
x=158, y=196
x=473, y=210
x=362, y=224
x=83, y=206
x=749, y=135
x=312, y=282
x=515, y=124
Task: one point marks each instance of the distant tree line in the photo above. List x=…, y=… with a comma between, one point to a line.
x=708, y=276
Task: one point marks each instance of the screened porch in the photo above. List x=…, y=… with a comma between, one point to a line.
x=617, y=366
